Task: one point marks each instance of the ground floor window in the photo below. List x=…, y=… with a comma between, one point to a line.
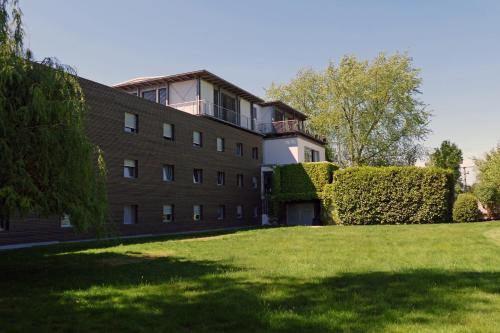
x=239, y=212
x=65, y=221
x=168, y=213
x=221, y=212
x=130, y=214
x=197, y=212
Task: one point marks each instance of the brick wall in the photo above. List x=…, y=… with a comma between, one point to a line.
x=149, y=192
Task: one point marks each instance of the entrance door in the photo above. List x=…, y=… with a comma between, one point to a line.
x=300, y=213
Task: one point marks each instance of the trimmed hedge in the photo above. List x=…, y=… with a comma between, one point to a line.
x=303, y=181
x=390, y=195
x=466, y=208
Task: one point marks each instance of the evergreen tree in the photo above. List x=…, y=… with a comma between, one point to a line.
x=48, y=165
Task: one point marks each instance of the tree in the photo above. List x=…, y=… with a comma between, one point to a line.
x=48, y=166
x=487, y=187
x=368, y=110
x=448, y=156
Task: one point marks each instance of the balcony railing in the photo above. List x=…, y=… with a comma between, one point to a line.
x=286, y=126
x=206, y=108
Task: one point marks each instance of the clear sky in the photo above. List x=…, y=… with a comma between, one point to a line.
x=253, y=43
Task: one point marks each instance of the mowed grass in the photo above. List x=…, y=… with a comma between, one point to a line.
x=411, y=278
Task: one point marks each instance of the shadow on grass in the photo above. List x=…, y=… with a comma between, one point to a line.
x=130, y=292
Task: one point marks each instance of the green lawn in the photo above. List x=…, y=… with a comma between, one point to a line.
x=415, y=278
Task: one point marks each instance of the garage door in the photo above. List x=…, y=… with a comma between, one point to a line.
x=300, y=213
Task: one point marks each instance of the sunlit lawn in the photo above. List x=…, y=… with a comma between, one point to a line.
x=422, y=278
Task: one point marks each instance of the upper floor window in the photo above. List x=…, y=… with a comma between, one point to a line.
x=239, y=149
x=220, y=144
x=255, y=153
x=255, y=183
x=168, y=172
x=168, y=213
x=239, y=212
x=168, y=131
x=150, y=95
x=130, y=214
x=197, y=212
x=65, y=221
x=221, y=212
x=197, y=176
x=197, y=139
x=221, y=178
x=311, y=155
x=130, y=168
x=131, y=123
x=239, y=180
x=162, y=96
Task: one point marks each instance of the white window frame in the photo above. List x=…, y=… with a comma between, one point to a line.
x=223, y=174
x=65, y=221
x=221, y=144
x=200, y=180
x=197, y=139
x=197, y=212
x=131, y=123
x=164, y=173
x=168, y=213
x=239, y=212
x=132, y=211
x=167, y=127
x=131, y=167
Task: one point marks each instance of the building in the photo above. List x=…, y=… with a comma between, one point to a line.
x=185, y=152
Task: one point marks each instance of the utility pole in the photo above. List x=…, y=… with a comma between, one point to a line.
x=465, y=173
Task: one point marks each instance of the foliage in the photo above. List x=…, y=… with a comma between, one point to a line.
x=49, y=167
x=369, y=110
x=448, y=156
x=391, y=195
x=465, y=208
x=487, y=188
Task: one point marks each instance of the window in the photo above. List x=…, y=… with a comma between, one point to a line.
x=131, y=123
x=3, y=225
x=221, y=212
x=197, y=139
x=65, y=221
x=168, y=172
x=130, y=168
x=255, y=183
x=162, y=96
x=221, y=178
x=130, y=214
x=197, y=212
x=239, y=212
x=150, y=95
x=168, y=131
x=311, y=155
x=239, y=180
x=239, y=149
x=133, y=93
x=255, y=153
x=220, y=144
x=168, y=213
x=197, y=176
x=255, y=211
x=315, y=156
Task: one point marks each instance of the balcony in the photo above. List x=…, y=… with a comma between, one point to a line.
x=287, y=127
x=206, y=108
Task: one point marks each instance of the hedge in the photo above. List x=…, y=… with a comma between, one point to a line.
x=390, y=195
x=466, y=208
x=303, y=181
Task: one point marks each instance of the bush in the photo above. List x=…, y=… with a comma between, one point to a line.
x=465, y=208
x=390, y=195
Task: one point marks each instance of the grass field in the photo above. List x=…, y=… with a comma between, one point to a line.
x=415, y=278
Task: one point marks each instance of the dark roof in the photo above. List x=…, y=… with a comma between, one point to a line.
x=287, y=108
x=202, y=74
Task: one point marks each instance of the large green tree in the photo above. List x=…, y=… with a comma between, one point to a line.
x=448, y=156
x=48, y=166
x=487, y=187
x=369, y=111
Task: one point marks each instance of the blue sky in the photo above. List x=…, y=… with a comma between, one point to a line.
x=253, y=43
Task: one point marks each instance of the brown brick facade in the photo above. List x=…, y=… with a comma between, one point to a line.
x=149, y=192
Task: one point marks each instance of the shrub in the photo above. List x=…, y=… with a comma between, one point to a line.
x=390, y=195
x=465, y=208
